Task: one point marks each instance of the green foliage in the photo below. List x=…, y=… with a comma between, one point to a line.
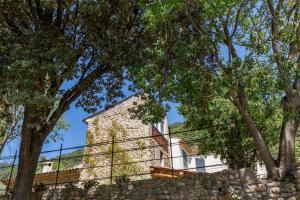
x=71, y=187
x=124, y=165
x=64, y=43
x=122, y=179
x=89, y=184
x=141, y=145
x=232, y=66
x=55, y=54
x=10, y=122
x=56, y=134
x=43, y=158
x=68, y=160
x=6, y=169
x=233, y=143
x=298, y=149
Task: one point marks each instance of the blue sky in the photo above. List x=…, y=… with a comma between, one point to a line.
x=75, y=135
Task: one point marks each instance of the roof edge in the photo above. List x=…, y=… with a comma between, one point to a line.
x=109, y=107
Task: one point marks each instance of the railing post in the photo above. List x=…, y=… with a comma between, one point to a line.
x=112, y=159
x=171, y=152
x=58, y=167
x=11, y=172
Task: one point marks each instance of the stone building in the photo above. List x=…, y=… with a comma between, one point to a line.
x=115, y=135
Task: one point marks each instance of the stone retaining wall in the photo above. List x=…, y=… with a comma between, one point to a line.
x=189, y=187
x=241, y=184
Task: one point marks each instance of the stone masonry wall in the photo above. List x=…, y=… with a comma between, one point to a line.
x=189, y=187
x=243, y=184
x=98, y=165
x=240, y=184
x=225, y=185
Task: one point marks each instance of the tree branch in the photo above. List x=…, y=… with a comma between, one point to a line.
x=58, y=19
x=228, y=40
x=239, y=100
x=236, y=21
x=73, y=93
x=275, y=38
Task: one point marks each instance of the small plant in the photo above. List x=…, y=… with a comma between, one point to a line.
x=122, y=179
x=89, y=184
x=71, y=187
x=40, y=187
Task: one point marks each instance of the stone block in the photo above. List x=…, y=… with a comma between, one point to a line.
x=296, y=174
x=274, y=184
x=275, y=190
x=274, y=195
x=247, y=176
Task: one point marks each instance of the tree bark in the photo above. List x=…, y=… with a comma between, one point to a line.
x=262, y=148
x=32, y=139
x=287, y=147
x=240, y=101
x=30, y=148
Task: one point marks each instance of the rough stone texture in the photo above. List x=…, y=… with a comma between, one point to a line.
x=244, y=185
x=223, y=185
x=241, y=184
x=191, y=187
x=297, y=178
x=98, y=165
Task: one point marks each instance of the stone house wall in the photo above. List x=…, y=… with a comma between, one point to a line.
x=98, y=166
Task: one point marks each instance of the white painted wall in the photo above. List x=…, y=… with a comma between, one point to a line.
x=163, y=127
x=210, y=163
x=176, y=152
x=213, y=164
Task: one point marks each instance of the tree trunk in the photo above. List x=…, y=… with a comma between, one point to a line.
x=260, y=144
x=263, y=150
x=287, y=148
x=30, y=148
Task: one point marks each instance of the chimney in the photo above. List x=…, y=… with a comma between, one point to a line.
x=47, y=167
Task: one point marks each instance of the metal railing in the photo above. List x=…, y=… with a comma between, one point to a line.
x=112, y=154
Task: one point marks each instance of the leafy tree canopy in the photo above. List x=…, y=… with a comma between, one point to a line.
x=227, y=61
x=57, y=53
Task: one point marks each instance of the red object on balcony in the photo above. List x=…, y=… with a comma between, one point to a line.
x=160, y=139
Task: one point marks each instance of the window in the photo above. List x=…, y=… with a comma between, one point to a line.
x=160, y=127
x=161, y=156
x=200, y=164
x=184, y=159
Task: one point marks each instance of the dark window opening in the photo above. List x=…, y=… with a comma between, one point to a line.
x=185, y=159
x=161, y=156
x=200, y=164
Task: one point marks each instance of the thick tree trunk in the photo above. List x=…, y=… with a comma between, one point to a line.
x=287, y=148
x=30, y=148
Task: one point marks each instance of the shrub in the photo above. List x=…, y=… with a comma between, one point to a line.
x=89, y=184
